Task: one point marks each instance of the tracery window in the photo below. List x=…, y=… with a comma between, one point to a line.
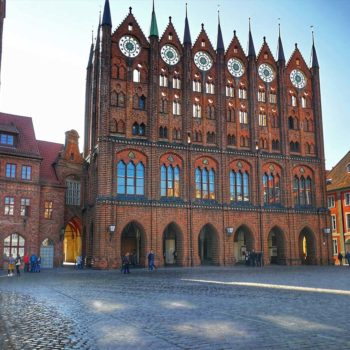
x=138, y=129
x=302, y=190
x=169, y=181
x=205, y=183
x=262, y=119
x=230, y=91
x=72, y=192
x=130, y=178
x=163, y=80
x=197, y=111
x=230, y=115
x=209, y=88
x=176, y=107
x=271, y=188
x=176, y=83
x=243, y=117
x=242, y=93
x=197, y=86
x=239, y=186
x=13, y=244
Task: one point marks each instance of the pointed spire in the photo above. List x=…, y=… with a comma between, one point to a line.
x=97, y=44
x=107, y=20
x=91, y=55
x=154, y=27
x=314, y=55
x=187, y=35
x=220, y=41
x=251, y=49
x=280, y=52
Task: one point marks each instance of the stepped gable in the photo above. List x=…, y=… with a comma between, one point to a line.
x=175, y=41
x=235, y=49
x=197, y=46
x=297, y=55
x=26, y=144
x=49, y=151
x=122, y=29
x=265, y=50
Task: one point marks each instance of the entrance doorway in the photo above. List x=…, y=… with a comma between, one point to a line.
x=72, y=242
x=276, y=244
x=208, y=245
x=243, y=242
x=132, y=241
x=172, y=237
x=307, y=247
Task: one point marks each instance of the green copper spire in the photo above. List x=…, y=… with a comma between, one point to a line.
x=154, y=27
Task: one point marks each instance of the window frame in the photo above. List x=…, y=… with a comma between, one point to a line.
x=48, y=209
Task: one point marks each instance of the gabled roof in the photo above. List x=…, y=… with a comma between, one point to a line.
x=50, y=152
x=340, y=175
x=26, y=144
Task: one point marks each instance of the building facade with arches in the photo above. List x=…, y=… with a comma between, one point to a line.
x=201, y=154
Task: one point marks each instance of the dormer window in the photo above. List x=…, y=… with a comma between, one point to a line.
x=6, y=139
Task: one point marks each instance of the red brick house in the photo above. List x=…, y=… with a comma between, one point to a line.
x=35, y=183
x=338, y=199
x=199, y=153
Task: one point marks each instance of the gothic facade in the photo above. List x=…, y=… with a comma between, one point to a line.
x=201, y=154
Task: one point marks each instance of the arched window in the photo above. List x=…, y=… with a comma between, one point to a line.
x=230, y=115
x=210, y=137
x=163, y=80
x=245, y=187
x=197, y=111
x=170, y=181
x=163, y=105
x=271, y=189
x=142, y=102
x=302, y=191
x=135, y=129
x=176, y=108
x=13, y=244
x=205, y=183
x=197, y=86
x=136, y=76
x=308, y=191
x=296, y=190
x=130, y=178
x=291, y=123
x=121, y=127
x=114, y=98
x=142, y=129
x=239, y=186
x=163, y=132
x=230, y=92
x=209, y=87
x=231, y=140
x=211, y=112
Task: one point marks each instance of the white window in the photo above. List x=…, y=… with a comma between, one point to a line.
x=197, y=111
x=294, y=101
x=262, y=119
x=348, y=222
x=243, y=117
x=197, y=86
x=230, y=92
x=73, y=192
x=273, y=98
x=331, y=201
x=163, y=80
x=261, y=96
x=209, y=87
x=334, y=223
x=176, y=108
x=348, y=168
x=347, y=198
x=335, y=246
x=136, y=76
x=242, y=93
x=176, y=83
x=303, y=102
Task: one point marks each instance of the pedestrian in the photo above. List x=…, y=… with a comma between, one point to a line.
x=33, y=260
x=253, y=258
x=150, y=258
x=18, y=265
x=11, y=266
x=125, y=263
x=175, y=256
x=79, y=262
x=347, y=256
x=340, y=258
x=26, y=263
x=38, y=264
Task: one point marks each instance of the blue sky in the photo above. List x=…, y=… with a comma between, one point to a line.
x=46, y=45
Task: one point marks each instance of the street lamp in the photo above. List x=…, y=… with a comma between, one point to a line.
x=111, y=230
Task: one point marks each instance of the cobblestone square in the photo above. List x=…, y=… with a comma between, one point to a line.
x=177, y=308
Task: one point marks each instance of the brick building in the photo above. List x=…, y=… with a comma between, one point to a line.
x=2, y=17
x=202, y=152
x=39, y=187
x=338, y=199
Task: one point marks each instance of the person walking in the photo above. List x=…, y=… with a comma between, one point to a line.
x=126, y=263
x=150, y=258
x=26, y=263
x=347, y=256
x=11, y=266
x=18, y=265
x=340, y=258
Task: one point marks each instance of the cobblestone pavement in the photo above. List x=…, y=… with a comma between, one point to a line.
x=188, y=308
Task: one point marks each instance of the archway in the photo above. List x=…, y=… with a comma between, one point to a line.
x=276, y=246
x=208, y=245
x=72, y=242
x=133, y=242
x=47, y=253
x=243, y=242
x=172, y=245
x=307, y=247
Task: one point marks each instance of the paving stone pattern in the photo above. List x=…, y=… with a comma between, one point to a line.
x=188, y=308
